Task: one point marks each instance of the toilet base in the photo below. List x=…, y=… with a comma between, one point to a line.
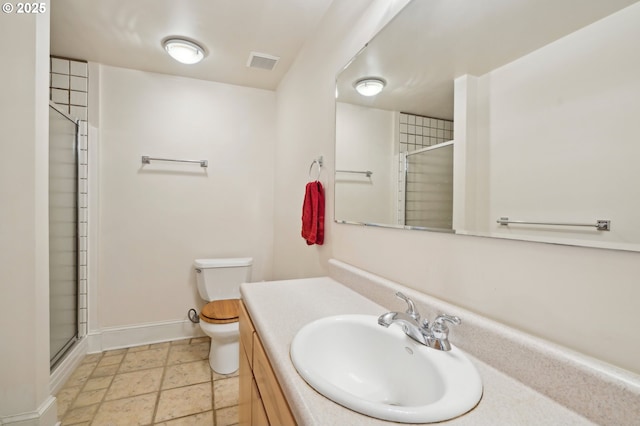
x=224, y=358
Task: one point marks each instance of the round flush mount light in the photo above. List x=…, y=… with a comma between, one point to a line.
x=369, y=86
x=184, y=51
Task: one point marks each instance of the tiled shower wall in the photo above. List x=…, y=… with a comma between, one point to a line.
x=68, y=89
x=416, y=132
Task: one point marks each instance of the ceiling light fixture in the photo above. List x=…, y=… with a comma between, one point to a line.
x=370, y=86
x=184, y=51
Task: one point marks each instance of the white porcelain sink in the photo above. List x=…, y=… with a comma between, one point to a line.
x=383, y=373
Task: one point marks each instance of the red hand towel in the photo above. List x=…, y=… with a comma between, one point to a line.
x=313, y=214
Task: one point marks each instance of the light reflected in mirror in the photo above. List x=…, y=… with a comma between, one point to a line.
x=536, y=102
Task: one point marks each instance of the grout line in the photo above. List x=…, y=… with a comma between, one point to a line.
x=164, y=373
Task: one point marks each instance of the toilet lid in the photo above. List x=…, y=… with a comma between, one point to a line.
x=220, y=311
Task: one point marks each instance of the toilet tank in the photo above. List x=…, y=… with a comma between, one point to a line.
x=221, y=278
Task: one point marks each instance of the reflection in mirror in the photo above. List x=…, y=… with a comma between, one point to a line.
x=428, y=187
x=539, y=99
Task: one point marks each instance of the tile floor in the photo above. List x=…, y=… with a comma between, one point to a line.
x=168, y=384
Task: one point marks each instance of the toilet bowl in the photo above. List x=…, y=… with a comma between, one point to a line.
x=218, y=282
x=221, y=325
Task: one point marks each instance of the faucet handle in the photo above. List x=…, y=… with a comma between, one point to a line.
x=411, y=310
x=440, y=329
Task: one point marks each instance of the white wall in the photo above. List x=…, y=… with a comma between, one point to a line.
x=365, y=141
x=565, y=118
x=583, y=298
x=156, y=219
x=306, y=126
x=24, y=258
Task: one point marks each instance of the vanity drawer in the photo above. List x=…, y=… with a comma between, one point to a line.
x=245, y=414
x=273, y=399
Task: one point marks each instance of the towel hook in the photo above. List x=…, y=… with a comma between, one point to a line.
x=319, y=162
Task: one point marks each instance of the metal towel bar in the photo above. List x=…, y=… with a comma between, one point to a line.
x=364, y=172
x=147, y=160
x=600, y=225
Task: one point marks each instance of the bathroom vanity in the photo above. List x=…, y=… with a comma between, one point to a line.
x=525, y=380
x=256, y=379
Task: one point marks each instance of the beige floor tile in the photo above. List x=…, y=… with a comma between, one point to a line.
x=200, y=419
x=180, y=342
x=188, y=353
x=107, y=370
x=227, y=416
x=79, y=415
x=218, y=376
x=110, y=360
x=180, y=402
x=89, y=397
x=135, y=383
x=64, y=398
x=144, y=359
x=97, y=383
x=80, y=376
x=138, y=348
x=137, y=410
x=91, y=358
x=203, y=339
x=115, y=352
x=187, y=374
x=160, y=345
x=226, y=392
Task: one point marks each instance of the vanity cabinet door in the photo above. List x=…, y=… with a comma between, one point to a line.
x=273, y=399
x=246, y=380
x=258, y=414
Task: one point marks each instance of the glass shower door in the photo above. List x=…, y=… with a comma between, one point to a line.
x=63, y=233
x=429, y=187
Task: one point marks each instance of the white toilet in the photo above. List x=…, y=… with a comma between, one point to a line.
x=219, y=283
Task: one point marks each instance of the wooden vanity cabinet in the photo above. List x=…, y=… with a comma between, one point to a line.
x=262, y=402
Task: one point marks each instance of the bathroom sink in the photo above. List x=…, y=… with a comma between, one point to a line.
x=383, y=373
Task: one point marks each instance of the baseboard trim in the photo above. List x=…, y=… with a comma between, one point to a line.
x=67, y=366
x=45, y=415
x=110, y=338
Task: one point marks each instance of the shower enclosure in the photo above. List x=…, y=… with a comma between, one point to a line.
x=63, y=232
x=429, y=187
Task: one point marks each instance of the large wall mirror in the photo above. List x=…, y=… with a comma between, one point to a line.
x=510, y=119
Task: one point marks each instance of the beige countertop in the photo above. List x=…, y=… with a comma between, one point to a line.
x=280, y=308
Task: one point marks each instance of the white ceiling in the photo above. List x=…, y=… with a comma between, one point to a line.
x=431, y=43
x=128, y=34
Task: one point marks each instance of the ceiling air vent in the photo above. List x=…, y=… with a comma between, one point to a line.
x=262, y=61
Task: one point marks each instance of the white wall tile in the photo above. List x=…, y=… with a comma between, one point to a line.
x=82, y=140
x=60, y=66
x=78, y=83
x=78, y=68
x=83, y=217
x=78, y=112
x=60, y=96
x=82, y=186
x=60, y=81
x=78, y=98
x=83, y=156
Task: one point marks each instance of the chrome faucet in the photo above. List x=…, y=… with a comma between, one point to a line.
x=435, y=335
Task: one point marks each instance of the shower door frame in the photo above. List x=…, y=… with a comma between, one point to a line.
x=59, y=356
